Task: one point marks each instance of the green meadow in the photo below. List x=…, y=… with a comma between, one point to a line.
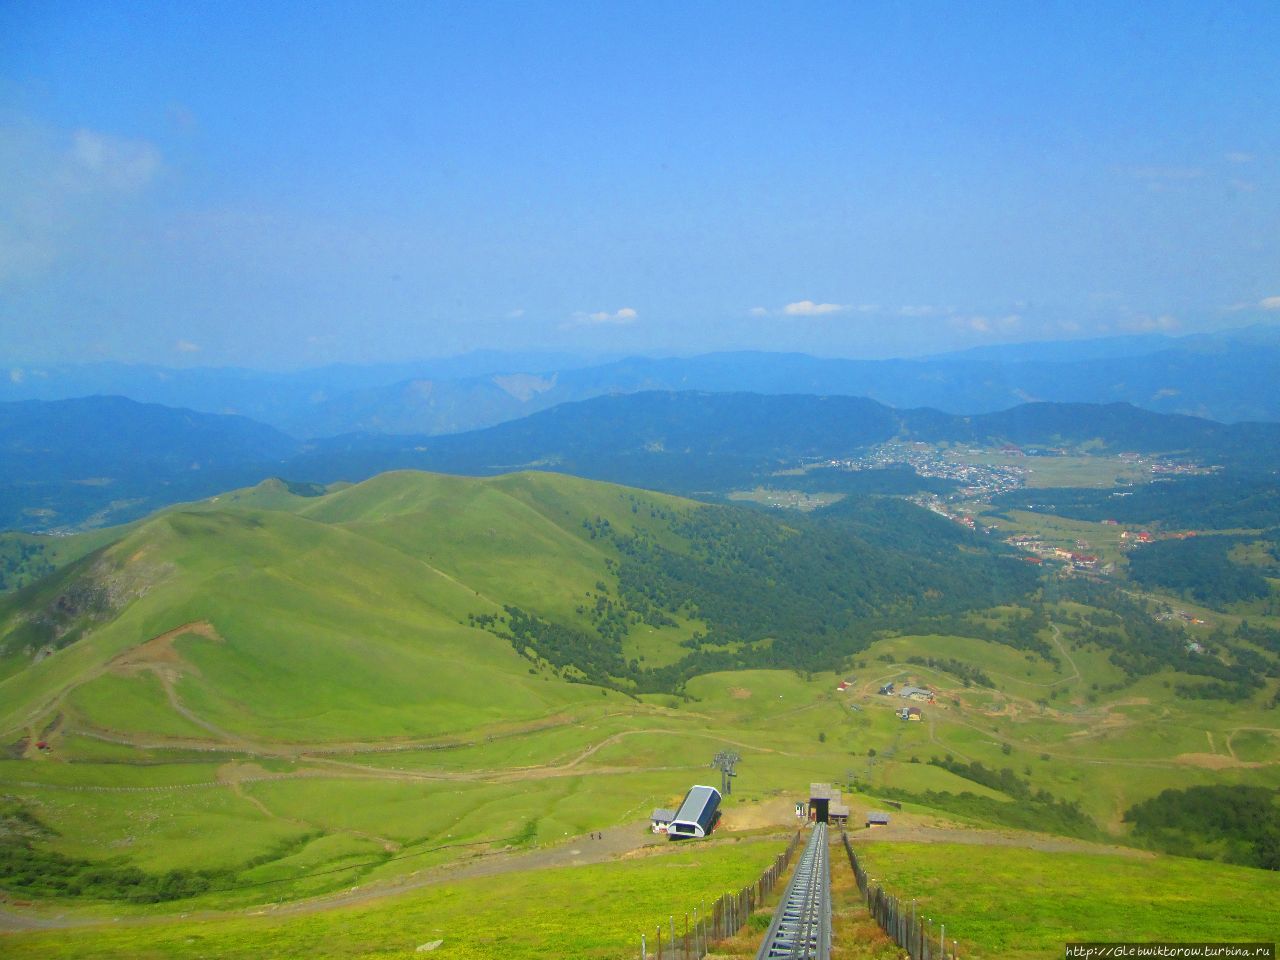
x=590, y=911
x=1016, y=903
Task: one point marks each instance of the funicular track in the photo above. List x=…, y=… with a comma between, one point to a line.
x=801, y=928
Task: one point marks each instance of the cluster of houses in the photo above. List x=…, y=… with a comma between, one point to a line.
x=1038, y=551
x=979, y=480
x=1175, y=467
x=1182, y=615
x=919, y=694
x=1170, y=467
x=1080, y=561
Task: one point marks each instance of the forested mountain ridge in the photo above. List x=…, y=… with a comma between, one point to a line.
x=107, y=460
x=104, y=460
x=705, y=441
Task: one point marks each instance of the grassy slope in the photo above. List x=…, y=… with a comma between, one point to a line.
x=1021, y=904
x=581, y=912
x=998, y=902
x=369, y=587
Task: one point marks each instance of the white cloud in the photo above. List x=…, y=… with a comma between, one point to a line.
x=758, y=312
x=603, y=317
x=1239, y=156
x=1149, y=324
x=99, y=161
x=55, y=190
x=186, y=346
x=921, y=310
x=515, y=314
x=807, y=308
x=17, y=375
x=978, y=323
x=1269, y=303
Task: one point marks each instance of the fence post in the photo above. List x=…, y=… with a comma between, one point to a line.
x=644, y=954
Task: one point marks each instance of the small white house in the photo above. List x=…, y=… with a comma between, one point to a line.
x=661, y=820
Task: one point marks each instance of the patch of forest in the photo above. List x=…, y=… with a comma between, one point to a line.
x=1201, y=569
x=1140, y=645
x=22, y=561
x=809, y=591
x=1029, y=809
x=899, y=478
x=805, y=593
x=1238, y=824
x=1232, y=500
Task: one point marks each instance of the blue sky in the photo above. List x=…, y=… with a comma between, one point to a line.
x=283, y=185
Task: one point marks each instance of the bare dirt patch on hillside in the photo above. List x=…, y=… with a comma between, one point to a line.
x=740, y=693
x=238, y=771
x=159, y=654
x=1212, y=761
x=779, y=812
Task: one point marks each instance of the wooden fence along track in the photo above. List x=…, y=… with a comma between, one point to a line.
x=801, y=926
x=899, y=920
x=727, y=916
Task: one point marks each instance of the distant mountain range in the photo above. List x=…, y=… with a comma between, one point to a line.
x=103, y=460
x=1229, y=376
x=97, y=461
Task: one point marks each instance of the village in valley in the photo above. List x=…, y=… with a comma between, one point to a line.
x=983, y=473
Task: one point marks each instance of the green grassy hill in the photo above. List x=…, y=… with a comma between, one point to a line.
x=323, y=618
x=416, y=605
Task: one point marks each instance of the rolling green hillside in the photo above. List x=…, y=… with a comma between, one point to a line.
x=286, y=692
x=414, y=605
x=309, y=627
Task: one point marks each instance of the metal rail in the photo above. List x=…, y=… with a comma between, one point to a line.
x=801, y=928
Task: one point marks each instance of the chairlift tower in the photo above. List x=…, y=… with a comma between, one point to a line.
x=725, y=761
